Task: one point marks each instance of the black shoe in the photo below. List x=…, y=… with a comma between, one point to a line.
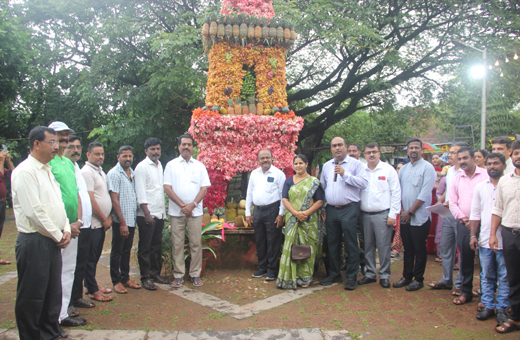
x=63, y=335
x=270, y=276
x=73, y=322
x=350, y=285
x=161, y=280
x=385, y=283
x=330, y=280
x=501, y=316
x=363, y=269
x=415, y=285
x=401, y=283
x=260, y=273
x=148, y=284
x=485, y=314
x=366, y=280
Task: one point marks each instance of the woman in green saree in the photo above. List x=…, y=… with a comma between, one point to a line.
x=302, y=197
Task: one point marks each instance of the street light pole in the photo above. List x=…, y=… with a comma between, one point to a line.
x=484, y=104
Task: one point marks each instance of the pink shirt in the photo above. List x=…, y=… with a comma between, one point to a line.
x=461, y=192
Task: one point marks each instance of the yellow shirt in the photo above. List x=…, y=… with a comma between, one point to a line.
x=37, y=200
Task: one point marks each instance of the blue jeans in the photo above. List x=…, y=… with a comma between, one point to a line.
x=493, y=265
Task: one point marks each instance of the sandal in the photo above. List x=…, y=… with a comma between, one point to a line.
x=4, y=262
x=82, y=303
x=104, y=290
x=119, y=289
x=476, y=293
x=456, y=267
x=438, y=260
x=457, y=291
x=177, y=283
x=462, y=299
x=480, y=307
x=73, y=322
x=98, y=296
x=72, y=312
x=197, y=282
x=439, y=285
x=507, y=327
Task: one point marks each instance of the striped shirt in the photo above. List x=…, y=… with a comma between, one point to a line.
x=346, y=189
x=119, y=182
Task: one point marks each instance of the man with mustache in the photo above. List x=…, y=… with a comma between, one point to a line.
x=264, y=190
x=150, y=214
x=505, y=213
x=43, y=229
x=448, y=242
x=343, y=178
x=97, y=187
x=354, y=150
x=461, y=195
x=494, y=272
x=503, y=145
x=121, y=186
x=186, y=182
x=73, y=152
x=63, y=171
x=417, y=179
x=380, y=205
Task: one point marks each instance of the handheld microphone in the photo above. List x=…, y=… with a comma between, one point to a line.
x=335, y=175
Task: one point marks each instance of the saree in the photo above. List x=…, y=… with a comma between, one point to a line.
x=293, y=273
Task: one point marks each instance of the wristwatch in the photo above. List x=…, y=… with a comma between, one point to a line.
x=410, y=213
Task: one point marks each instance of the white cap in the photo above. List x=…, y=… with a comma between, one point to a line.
x=60, y=126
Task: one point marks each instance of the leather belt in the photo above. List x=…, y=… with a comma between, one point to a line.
x=513, y=231
x=339, y=207
x=375, y=213
x=269, y=206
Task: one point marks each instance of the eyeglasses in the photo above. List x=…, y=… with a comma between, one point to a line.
x=371, y=152
x=51, y=142
x=72, y=147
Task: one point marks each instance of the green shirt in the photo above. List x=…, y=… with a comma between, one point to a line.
x=63, y=171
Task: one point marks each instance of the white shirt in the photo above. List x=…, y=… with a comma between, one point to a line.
x=265, y=189
x=509, y=166
x=186, y=179
x=383, y=191
x=481, y=206
x=149, y=188
x=86, y=205
x=37, y=202
x=450, y=176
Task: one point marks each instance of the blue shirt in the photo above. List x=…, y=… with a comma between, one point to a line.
x=346, y=189
x=119, y=182
x=417, y=182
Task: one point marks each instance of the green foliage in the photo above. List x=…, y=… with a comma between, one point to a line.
x=248, y=85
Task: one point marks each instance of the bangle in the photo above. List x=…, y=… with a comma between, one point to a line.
x=80, y=221
x=472, y=237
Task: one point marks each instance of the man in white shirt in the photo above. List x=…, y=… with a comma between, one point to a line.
x=43, y=229
x=503, y=145
x=494, y=272
x=150, y=214
x=448, y=242
x=73, y=152
x=265, y=192
x=380, y=205
x=186, y=182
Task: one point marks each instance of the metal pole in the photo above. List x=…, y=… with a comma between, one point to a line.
x=483, y=116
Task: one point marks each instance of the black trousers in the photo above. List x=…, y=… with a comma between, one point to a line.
x=467, y=260
x=361, y=238
x=511, y=244
x=38, y=295
x=150, y=243
x=2, y=216
x=268, y=238
x=81, y=264
x=415, y=251
x=120, y=254
x=342, y=224
x=97, y=238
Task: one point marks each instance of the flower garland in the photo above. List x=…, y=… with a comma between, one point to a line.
x=226, y=62
x=217, y=192
x=258, y=8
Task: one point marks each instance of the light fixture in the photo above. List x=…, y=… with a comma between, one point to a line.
x=515, y=57
x=501, y=74
x=507, y=60
x=490, y=67
x=497, y=63
x=478, y=71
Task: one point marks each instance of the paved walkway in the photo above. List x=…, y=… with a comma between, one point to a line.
x=271, y=334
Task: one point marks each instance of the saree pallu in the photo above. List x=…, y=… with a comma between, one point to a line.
x=293, y=273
